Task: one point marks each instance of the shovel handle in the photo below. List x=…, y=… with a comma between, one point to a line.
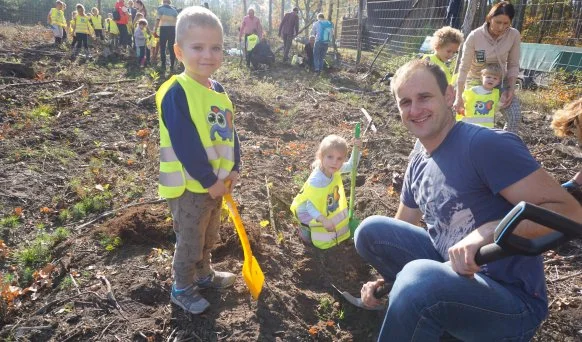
x=382, y=290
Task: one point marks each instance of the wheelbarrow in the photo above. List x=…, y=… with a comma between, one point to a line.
x=506, y=243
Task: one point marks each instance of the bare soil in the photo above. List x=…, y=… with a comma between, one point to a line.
x=91, y=144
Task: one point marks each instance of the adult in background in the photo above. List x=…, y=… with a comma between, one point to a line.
x=288, y=30
x=462, y=186
x=166, y=21
x=123, y=13
x=250, y=25
x=496, y=42
x=140, y=8
x=131, y=10
x=323, y=32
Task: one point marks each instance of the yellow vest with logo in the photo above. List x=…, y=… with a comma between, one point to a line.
x=444, y=67
x=480, y=109
x=82, y=25
x=330, y=202
x=112, y=26
x=58, y=17
x=96, y=21
x=252, y=40
x=213, y=115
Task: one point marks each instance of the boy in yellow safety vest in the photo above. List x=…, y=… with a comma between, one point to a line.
x=82, y=29
x=112, y=31
x=56, y=19
x=97, y=22
x=199, y=155
x=481, y=101
x=321, y=206
x=445, y=43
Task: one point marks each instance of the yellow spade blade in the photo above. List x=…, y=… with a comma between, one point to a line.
x=251, y=271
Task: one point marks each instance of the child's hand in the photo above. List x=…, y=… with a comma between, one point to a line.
x=218, y=189
x=459, y=106
x=358, y=143
x=327, y=223
x=231, y=180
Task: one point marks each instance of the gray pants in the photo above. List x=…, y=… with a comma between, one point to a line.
x=196, y=224
x=287, y=42
x=512, y=115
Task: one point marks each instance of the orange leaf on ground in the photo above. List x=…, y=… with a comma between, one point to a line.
x=18, y=211
x=45, y=210
x=330, y=323
x=313, y=331
x=143, y=133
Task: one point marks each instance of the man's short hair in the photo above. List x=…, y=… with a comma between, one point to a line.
x=408, y=69
x=295, y=9
x=195, y=16
x=320, y=16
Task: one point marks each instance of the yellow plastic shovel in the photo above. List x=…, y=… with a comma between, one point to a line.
x=251, y=271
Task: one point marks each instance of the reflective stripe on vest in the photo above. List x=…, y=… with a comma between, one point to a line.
x=82, y=24
x=96, y=21
x=480, y=108
x=212, y=114
x=58, y=17
x=332, y=203
x=447, y=70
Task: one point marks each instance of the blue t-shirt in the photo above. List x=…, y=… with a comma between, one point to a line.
x=457, y=190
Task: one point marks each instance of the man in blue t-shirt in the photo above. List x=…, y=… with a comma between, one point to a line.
x=462, y=180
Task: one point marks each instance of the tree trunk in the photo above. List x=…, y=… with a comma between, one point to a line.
x=282, y=9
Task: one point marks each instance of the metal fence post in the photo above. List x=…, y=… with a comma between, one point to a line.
x=360, y=31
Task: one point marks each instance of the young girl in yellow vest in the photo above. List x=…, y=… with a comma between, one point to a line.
x=82, y=29
x=97, y=22
x=481, y=101
x=112, y=31
x=72, y=28
x=321, y=206
x=445, y=43
x=56, y=19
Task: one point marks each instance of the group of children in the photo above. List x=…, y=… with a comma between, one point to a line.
x=84, y=25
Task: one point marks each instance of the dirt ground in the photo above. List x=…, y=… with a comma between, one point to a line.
x=101, y=142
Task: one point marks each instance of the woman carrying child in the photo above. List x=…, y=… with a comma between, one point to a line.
x=321, y=205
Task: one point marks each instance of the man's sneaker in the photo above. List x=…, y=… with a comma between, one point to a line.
x=217, y=280
x=189, y=299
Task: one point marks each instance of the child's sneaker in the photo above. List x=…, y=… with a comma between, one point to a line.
x=217, y=280
x=189, y=299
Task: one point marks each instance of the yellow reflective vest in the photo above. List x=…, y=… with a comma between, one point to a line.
x=58, y=17
x=111, y=26
x=213, y=115
x=82, y=25
x=252, y=40
x=97, y=22
x=330, y=202
x=444, y=67
x=480, y=109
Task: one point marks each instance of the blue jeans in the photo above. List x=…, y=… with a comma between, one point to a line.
x=430, y=301
x=319, y=52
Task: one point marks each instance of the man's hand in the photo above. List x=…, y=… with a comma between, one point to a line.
x=218, y=189
x=367, y=293
x=231, y=180
x=507, y=97
x=462, y=254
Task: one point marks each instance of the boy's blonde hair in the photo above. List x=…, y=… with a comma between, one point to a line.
x=95, y=11
x=568, y=121
x=329, y=143
x=492, y=69
x=195, y=16
x=446, y=35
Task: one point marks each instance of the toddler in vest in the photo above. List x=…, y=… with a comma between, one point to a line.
x=482, y=100
x=445, y=44
x=56, y=19
x=321, y=205
x=112, y=31
x=199, y=155
x=97, y=23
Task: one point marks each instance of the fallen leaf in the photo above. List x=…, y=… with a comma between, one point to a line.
x=45, y=210
x=313, y=331
x=18, y=211
x=99, y=187
x=330, y=323
x=264, y=223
